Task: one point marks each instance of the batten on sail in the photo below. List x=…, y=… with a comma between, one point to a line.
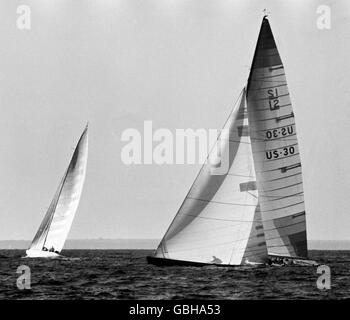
x=275, y=151
x=218, y=222
x=53, y=231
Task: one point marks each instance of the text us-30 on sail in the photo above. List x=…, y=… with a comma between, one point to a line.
x=275, y=151
x=53, y=231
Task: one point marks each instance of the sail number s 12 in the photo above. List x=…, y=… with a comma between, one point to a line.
x=279, y=132
x=280, y=153
x=273, y=99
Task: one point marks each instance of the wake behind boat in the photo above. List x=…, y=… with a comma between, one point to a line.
x=254, y=213
x=53, y=231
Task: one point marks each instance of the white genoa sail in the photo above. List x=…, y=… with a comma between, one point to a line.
x=275, y=151
x=219, y=221
x=53, y=231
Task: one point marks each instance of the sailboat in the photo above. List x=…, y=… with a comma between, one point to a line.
x=254, y=213
x=53, y=231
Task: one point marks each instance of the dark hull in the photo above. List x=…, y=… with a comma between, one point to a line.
x=172, y=262
x=162, y=262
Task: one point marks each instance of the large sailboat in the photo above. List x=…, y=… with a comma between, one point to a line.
x=254, y=213
x=53, y=231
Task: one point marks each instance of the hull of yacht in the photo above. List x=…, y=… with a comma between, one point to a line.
x=273, y=260
x=41, y=254
x=174, y=262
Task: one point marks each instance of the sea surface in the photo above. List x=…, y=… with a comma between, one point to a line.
x=125, y=274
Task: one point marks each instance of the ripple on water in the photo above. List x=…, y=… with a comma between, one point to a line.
x=124, y=274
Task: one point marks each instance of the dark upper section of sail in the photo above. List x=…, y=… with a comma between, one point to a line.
x=266, y=53
x=77, y=150
x=265, y=40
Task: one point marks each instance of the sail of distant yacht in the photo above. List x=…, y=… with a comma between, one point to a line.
x=53, y=231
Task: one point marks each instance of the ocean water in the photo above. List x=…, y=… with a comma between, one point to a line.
x=125, y=274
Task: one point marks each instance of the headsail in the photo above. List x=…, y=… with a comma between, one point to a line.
x=54, y=228
x=275, y=150
x=219, y=221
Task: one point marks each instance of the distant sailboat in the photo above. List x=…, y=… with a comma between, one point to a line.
x=254, y=213
x=53, y=231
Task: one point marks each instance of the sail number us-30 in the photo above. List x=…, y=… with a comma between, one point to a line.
x=279, y=132
x=279, y=153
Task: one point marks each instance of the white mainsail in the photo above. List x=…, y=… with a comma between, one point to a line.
x=53, y=231
x=275, y=151
x=219, y=221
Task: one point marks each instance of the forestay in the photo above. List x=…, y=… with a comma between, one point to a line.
x=219, y=221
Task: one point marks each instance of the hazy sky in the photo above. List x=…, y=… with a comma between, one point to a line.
x=179, y=63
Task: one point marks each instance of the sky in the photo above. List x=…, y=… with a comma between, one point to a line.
x=178, y=63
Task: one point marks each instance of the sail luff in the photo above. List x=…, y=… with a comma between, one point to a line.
x=258, y=43
x=162, y=242
x=214, y=224
x=57, y=199
x=45, y=225
x=162, y=246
